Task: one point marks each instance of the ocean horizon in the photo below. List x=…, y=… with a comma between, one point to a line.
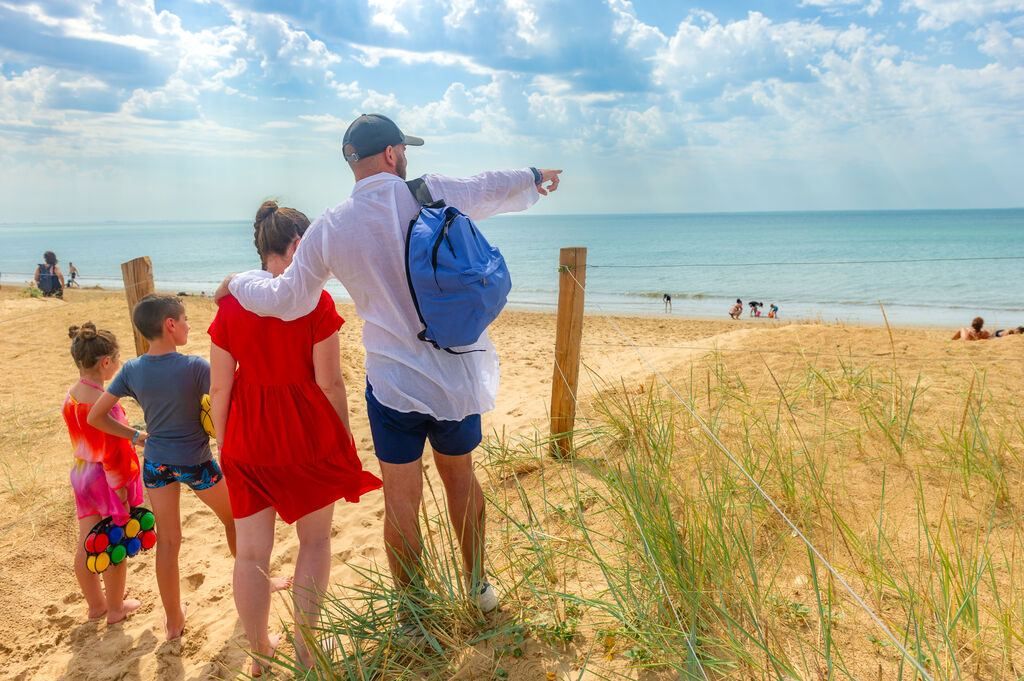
x=927, y=267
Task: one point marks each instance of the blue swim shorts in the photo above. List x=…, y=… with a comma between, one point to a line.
x=198, y=477
x=398, y=437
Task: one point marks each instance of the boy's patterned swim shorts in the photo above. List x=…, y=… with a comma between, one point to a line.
x=198, y=477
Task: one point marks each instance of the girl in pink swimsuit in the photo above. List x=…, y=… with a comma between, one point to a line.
x=105, y=476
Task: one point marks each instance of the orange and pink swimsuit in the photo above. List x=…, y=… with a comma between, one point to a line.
x=103, y=464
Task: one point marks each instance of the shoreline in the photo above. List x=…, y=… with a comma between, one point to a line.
x=545, y=309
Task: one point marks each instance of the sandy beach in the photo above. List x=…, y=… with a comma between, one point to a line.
x=44, y=633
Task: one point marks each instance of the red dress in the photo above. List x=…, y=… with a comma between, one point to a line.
x=285, y=446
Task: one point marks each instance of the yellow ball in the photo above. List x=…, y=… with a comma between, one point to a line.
x=102, y=562
x=132, y=528
x=90, y=563
x=205, y=417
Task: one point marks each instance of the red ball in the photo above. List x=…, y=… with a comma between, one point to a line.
x=148, y=539
x=101, y=543
x=90, y=543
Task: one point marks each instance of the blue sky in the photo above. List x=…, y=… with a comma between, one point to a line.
x=200, y=109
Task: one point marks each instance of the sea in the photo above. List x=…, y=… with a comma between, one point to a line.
x=924, y=267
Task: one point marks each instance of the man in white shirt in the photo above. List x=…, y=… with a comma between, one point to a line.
x=414, y=391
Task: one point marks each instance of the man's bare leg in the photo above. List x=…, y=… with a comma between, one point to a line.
x=465, y=508
x=403, y=492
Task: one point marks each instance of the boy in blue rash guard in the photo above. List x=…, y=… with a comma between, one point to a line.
x=169, y=386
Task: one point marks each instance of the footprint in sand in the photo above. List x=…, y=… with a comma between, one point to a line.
x=196, y=580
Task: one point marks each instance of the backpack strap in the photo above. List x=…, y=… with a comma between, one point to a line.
x=420, y=191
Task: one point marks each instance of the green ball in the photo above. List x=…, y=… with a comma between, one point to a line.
x=118, y=554
x=147, y=521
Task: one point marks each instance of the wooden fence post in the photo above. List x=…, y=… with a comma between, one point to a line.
x=572, y=278
x=138, y=282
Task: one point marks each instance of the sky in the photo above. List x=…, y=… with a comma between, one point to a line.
x=201, y=109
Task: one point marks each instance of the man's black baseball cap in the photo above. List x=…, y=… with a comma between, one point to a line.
x=371, y=134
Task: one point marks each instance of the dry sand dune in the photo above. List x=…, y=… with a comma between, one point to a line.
x=43, y=630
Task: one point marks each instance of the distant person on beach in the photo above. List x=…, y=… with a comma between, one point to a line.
x=736, y=310
x=414, y=392
x=773, y=311
x=284, y=438
x=105, y=477
x=48, y=276
x=999, y=333
x=975, y=332
x=667, y=299
x=169, y=386
x=72, y=275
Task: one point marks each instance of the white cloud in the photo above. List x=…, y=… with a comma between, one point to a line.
x=936, y=15
x=371, y=56
x=869, y=7
x=639, y=36
x=1004, y=42
x=385, y=15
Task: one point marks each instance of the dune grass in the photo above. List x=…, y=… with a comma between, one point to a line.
x=650, y=555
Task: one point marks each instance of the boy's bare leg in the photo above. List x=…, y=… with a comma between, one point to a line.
x=465, y=508
x=90, y=583
x=216, y=497
x=312, y=572
x=167, y=509
x=252, y=565
x=403, y=491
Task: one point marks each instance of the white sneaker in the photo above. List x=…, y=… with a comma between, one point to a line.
x=486, y=597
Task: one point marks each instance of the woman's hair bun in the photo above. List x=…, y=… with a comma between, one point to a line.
x=268, y=208
x=73, y=331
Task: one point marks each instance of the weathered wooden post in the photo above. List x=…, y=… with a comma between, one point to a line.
x=572, y=278
x=138, y=282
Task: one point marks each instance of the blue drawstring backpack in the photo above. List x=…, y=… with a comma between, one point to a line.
x=459, y=282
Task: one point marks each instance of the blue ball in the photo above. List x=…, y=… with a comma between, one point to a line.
x=116, y=534
x=134, y=546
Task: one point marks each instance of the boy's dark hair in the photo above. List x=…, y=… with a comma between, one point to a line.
x=50, y=258
x=151, y=311
x=89, y=345
x=276, y=228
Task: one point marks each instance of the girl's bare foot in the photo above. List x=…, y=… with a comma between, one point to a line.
x=127, y=607
x=97, y=612
x=260, y=664
x=175, y=628
x=280, y=584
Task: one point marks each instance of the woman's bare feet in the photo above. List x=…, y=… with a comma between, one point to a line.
x=97, y=611
x=128, y=606
x=280, y=584
x=261, y=664
x=175, y=628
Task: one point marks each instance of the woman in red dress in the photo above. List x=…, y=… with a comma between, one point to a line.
x=283, y=433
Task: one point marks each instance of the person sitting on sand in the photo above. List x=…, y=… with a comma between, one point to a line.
x=106, y=477
x=736, y=309
x=975, y=332
x=999, y=333
x=283, y=433
x=48, y=276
